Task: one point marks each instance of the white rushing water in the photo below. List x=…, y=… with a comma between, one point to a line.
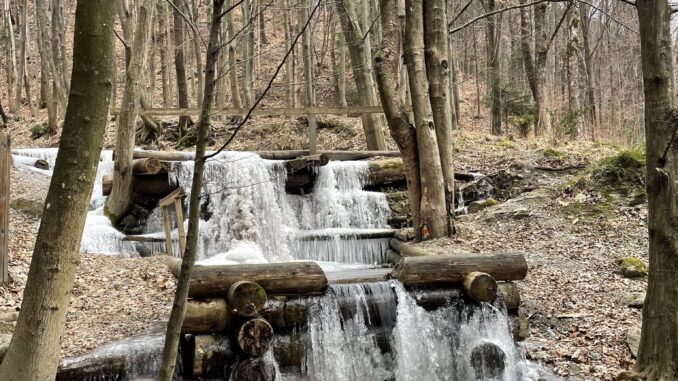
x=377, y=331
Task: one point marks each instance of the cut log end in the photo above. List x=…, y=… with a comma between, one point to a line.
x=246, y=298
x=254, y=369
x=480, y=286
x=488, y=362
x=146, y=166
x=255, y=337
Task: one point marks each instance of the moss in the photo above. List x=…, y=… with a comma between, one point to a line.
x=625, y=168
x=37, y=131
x=506, y=144
x=553, y=153
x=390, y=164
x=477, y=206
x=631, y=267
x=29, y=207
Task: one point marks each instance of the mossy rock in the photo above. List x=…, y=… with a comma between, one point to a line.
x=30, y=207
x=627, y=168
x=38, y=131
x=553, y=153
x=633, y=299
x=631, y=267
x=506, y=144
x=477, y=206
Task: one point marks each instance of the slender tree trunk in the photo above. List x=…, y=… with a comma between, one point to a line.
x=12, y=72
x=526, y=47
x=658, y=350
x=306, y=41
x=179, y=307
x=48, y=69
x=338, y=66
x=437, y=70
x=477, y=74
x=588, y=63
x=494, y=66
x=248, y=58
x=180, y=64
x=433, y=211
x=541, y=49
x=21, y=61
x=59, y=45
x=232, y=68
x=163, y=39
x=289, y=64
x=361, y=62
x=387, y=68
x=120, y=199
x=34, y=351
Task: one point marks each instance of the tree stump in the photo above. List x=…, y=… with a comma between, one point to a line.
x=254, y=369
x=488, y=362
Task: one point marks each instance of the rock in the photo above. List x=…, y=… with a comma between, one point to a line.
x=521, y=213
x=5, y=338
x=128, y=220
x=405, y=234
x=628, y=376
x=631, y=267
x=477, y=206
x=633, y=339
x=633, y=299
x=637, y=198
x=580, y=198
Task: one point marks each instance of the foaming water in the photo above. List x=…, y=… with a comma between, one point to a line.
x=377, y=331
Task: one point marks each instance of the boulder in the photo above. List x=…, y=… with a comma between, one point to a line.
x=633, y=340
x=405, y=234
x=477, y=206
x=633, y=299
x=631, y=267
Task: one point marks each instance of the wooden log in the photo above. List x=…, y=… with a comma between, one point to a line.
x=254, y=369
x=306, y=162
x=208, y=316
x=93, y=368
x=408, y=250
x=314, y=235
x=272, y=155
x=147, y=184
x=480, y=286
x=204, y=356
x=510, y=294
x=146, y=166
x=451, y=269
x=488, y=362
x=255, y=337
x=246, y=298
x=289, y=278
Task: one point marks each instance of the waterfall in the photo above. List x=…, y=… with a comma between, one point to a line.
x=376, y=331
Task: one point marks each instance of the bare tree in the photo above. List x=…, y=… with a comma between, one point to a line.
x=34, y=351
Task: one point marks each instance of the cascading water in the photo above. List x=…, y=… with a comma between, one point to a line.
x=377, y=331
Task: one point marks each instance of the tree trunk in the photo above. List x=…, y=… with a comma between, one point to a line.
x=588, y=63
x=433, y=212
x=541, y=49
x=248, y=57
x=361, y=62
x=179, y=307
x=437, y=70
x=21, y=57
x=51, y=276
x=48, y=70
x=164, y=41
x=573, y=57
x=494, y=66
x=290, y=74
x=526, y=48
x=232, y=68
x=338, y=66
x=180, y=64
x=658, y=350
x=121, y=196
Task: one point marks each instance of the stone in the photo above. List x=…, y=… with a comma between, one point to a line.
x=477, y=206
x=5, y=338
x=633, y=340
x=405, y=234
x=521, y=213
x=633, y=299
x=580, y=198
x=631, y=267
x=128, y=220
x=629, y=376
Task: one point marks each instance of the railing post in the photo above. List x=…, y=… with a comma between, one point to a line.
x=5, y=164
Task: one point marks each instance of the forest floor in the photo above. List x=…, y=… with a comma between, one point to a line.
x=571, y=236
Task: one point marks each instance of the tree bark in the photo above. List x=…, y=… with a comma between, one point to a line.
x=164, y=41
x=526, y=48
x=232, y=68
x=541, y=49
x=361, y=62
x=437, y=70
x=592, y=111
x=179, y=307
x=573, y=58
x=433, y=212
x=249, y=7
x=658, y=350
x=121, y=196
x=290, y=74
x=338, y=66
x=494, y=66
x=180, y=64
x=33, y=356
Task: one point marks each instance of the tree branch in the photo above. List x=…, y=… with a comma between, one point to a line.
x=268, y=86
x=486, y=15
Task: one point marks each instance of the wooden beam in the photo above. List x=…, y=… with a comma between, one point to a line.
x=270, y=155
x=272, y=111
